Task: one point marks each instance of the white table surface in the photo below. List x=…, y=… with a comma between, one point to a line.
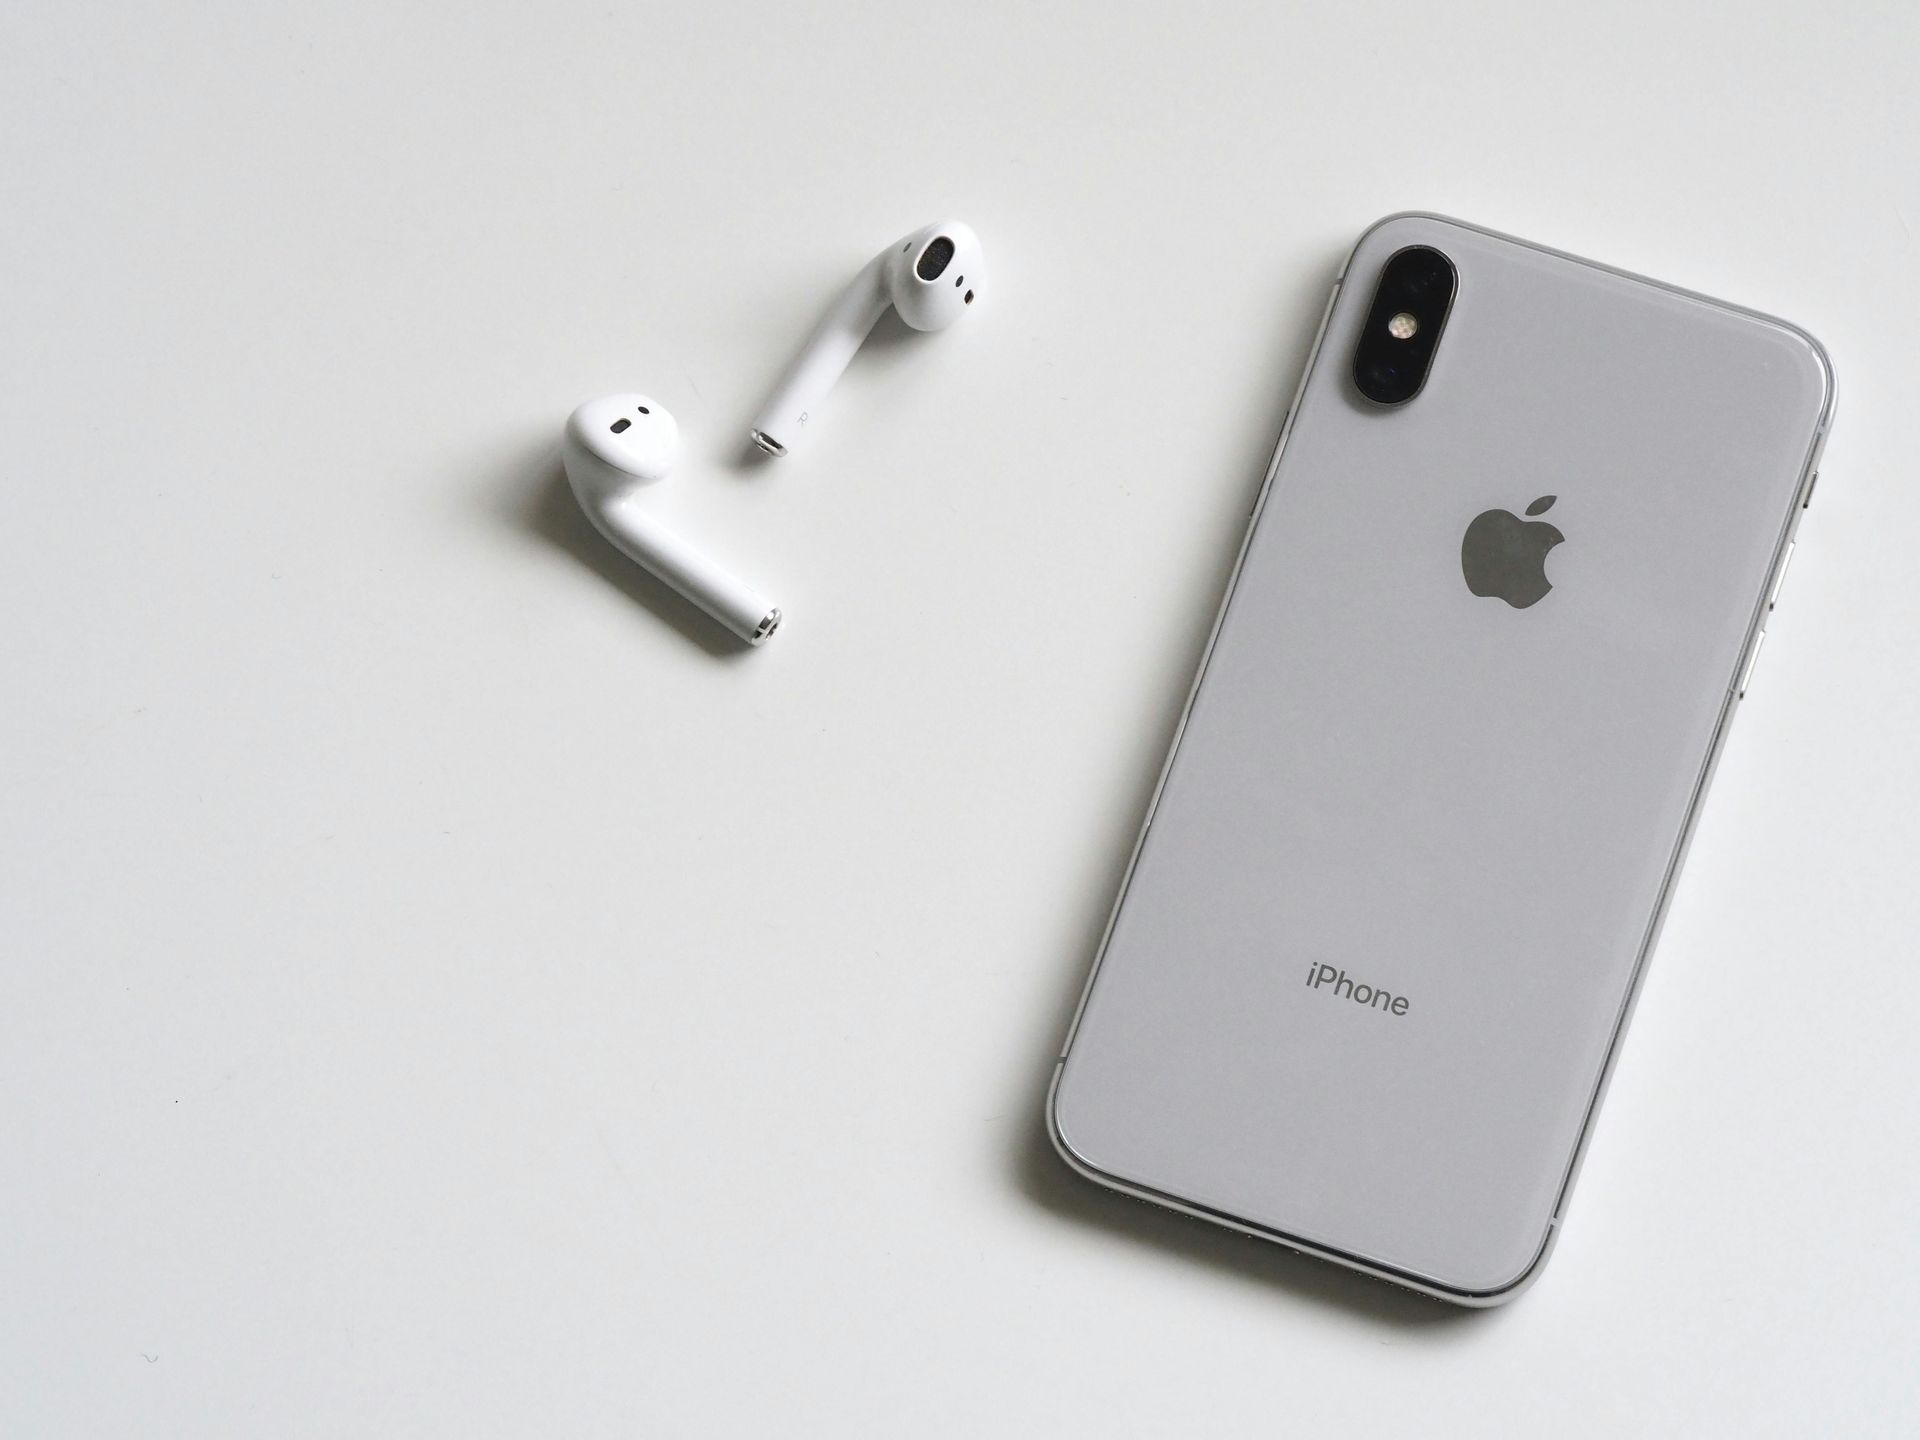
x=448, y=992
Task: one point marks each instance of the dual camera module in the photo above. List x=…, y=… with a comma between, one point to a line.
x=1403, y=325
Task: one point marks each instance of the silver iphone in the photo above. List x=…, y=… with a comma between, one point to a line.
x=1496, y=605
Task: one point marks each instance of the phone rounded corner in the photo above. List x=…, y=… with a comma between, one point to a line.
x=1823, y=367
x=1056, y=1126
x=1072, y=1155
x=1478, y=1294
x=1805, y=346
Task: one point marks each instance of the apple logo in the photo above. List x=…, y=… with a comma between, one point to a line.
x=1506, y=556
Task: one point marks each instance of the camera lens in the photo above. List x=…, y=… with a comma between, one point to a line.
x=1403, y=325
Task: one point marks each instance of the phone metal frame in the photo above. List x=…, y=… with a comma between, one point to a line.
x=1803, y=494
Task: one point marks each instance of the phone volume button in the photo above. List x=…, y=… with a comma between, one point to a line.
x=1773, y=595
x=1753, y=658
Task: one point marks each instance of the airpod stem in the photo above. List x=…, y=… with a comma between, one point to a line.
x=930, y=276
x=685, y=568
x=614, y=449
x=782, y=421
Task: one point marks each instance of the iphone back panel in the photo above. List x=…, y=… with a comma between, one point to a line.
x=1383, y=928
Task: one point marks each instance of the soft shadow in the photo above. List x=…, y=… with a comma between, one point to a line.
x=1041, y=1175
x=750, y=461
x=1044, y=1178
x=548, y=510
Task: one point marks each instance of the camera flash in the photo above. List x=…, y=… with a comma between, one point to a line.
x=1402, y=326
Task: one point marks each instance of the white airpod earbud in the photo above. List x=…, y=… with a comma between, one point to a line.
x=930, y=277
x=612, y=446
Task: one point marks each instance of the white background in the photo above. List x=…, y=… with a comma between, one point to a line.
x=448, y=991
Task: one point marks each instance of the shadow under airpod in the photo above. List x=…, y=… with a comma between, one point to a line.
x=750, y=461
x=550, y=512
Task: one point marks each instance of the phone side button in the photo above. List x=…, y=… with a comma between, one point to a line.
x=1773, y=595
x=1753, y=657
